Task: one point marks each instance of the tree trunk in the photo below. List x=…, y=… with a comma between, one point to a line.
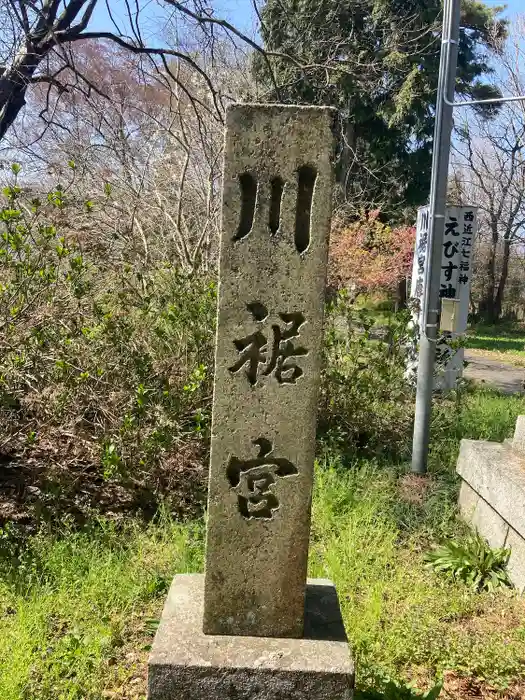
x=473, y=309
x=13, y=86
x=54, y=25
x=348, y=152
x=487, y=303
x=498, y=301
x=487, y=309
x=401, y=295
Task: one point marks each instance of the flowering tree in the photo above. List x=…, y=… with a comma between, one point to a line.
x=368, y=255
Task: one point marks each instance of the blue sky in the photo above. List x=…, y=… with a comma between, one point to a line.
x=239, y=12
x=512, y=5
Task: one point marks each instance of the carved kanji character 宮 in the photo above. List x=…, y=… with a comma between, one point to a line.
x=253, y=480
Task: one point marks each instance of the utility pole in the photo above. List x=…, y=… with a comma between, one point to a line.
x=438, y=201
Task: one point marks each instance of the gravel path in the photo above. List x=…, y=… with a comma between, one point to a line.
x=500, y=375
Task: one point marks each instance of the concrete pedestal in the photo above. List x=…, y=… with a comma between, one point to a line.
x=186, y=664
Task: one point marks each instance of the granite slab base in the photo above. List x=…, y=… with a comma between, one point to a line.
x=492, y=496
x=186, y=664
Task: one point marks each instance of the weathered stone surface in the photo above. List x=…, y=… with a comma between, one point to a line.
x=518, y=442
x=275, y=224
x=468, y=500
x=492, y=496
x=497, y=473
x=489, y=524
x=516, y=566
x=482, y=517
x=187, y=664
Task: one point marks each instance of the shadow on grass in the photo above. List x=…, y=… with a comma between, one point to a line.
x=500, y=344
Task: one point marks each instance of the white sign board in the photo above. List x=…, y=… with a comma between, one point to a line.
x=456, y=274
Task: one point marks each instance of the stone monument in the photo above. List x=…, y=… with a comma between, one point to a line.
x=492, y=495
x=253, y=628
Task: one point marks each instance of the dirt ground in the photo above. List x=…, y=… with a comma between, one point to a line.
x=504, y=376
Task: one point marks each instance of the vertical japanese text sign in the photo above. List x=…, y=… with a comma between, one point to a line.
x=456, y=276
x=275, y=226
x=456, y=264
x=419, y=271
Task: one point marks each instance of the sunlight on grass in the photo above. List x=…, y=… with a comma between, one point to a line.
x=74, y=604
x=504, y=343
x=79, y=609
x=399, y=616
x=481, y=342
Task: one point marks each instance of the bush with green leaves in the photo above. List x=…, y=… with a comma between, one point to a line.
x=105, y=362
x=472, y=561
x=367, y=404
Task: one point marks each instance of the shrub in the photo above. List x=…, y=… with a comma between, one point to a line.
x=473, y=562
x=105, y=364
x=368, y=255
x=366, y=402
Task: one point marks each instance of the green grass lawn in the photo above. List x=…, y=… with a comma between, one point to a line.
x=505, y=342
x=78, y=610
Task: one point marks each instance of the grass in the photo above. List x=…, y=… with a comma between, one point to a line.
x=504, y=342
x=372, y=528
x=405, y=623
x=382, y=309
x=78, y=610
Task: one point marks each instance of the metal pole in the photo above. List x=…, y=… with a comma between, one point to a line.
x=438, y=200
x=492, y=101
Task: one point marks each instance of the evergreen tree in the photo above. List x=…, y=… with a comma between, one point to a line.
x=377, y=61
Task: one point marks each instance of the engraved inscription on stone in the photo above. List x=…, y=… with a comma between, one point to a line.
x=306, y=183
x=249, y=187
x=253, y=480
x=262, y=354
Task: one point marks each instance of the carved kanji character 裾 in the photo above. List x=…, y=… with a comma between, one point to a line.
x=263, y=357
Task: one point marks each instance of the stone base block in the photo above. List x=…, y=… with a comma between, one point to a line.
x=492, y=496
x=186, y=664
x=516, y=567
x=497, y=474
x=468, y=501
x=490, y=524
